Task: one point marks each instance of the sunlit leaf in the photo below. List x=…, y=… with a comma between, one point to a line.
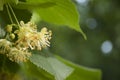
x=63, y=13
x=57, y=12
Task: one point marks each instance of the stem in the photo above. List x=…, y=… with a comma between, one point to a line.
x=3, y=64
x=9, y=14
x=13, y=14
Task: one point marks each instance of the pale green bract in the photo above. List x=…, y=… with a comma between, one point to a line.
x=50, y=64
x=80, y=72
x=62, y=69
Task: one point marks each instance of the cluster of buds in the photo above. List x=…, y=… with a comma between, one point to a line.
x=21, y=38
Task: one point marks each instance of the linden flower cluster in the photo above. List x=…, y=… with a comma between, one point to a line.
x=19, y=40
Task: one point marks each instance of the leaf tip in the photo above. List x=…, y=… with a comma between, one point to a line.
x=84, y=35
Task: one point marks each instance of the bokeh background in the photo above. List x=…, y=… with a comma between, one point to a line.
x=100, y=20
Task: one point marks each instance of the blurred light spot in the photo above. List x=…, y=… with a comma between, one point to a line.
x=81, y=1
x=106, y=47
x=91, y=23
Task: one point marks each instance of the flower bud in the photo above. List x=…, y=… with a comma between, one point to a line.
x=9, y=28
x=12, y=36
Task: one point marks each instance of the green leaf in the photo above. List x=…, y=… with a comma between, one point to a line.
x=80, y=72
x=24, y=5
x=52, y=66
x=12, y=1
x=62, y=12
x=2, y=2
x=32, y=72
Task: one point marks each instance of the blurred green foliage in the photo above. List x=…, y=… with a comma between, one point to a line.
x=100, y=20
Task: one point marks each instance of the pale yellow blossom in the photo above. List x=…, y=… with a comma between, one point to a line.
x=28, y=37
x=18, y=55
x=20, y=40
x=5, y=46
